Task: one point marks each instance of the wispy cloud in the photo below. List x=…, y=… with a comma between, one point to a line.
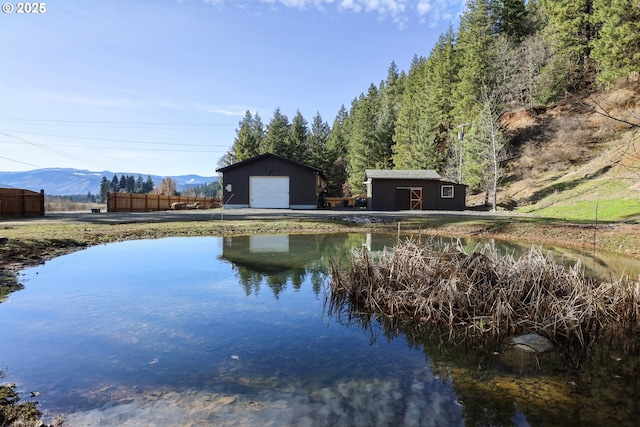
x=401, y=12
x=134, y=99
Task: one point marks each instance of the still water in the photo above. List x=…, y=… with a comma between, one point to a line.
x=233, y=331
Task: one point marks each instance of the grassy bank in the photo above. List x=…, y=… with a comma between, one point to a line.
x=28, y=242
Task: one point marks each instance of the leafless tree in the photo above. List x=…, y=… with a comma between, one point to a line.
x=167, y=187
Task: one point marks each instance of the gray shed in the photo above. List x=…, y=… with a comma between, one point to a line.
x=412, y=190
x=271, y=181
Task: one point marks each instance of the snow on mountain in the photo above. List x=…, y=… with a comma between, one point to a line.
x=64, y=181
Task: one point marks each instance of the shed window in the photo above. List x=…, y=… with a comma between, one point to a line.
x=446, y=192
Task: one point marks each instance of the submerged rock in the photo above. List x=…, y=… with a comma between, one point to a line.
x=532, y=343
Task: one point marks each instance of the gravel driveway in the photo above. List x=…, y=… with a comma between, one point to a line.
x=355, y=215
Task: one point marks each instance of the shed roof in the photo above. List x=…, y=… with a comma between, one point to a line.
x=284, y=159
x=402, y=174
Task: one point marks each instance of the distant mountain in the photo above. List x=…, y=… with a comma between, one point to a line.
x=59, y=181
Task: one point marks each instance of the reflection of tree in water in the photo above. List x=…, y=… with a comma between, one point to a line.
x=303, y=256
x=498, y=385
x=249, y=280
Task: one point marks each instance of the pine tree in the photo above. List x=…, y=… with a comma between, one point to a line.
x=130, y=184
x=425, y=118
x=570, y=33
x=362, y=138
x=299, y=139
x=411, y=122
x=114, y=185
x=148, y=185
x=319, y=156
x=337, y=154
x=474, y=44
x=104, y=189
x=513, y=19
x=139, y=184
x=390, y=91
x=617, y=47
x=277, y=139
x=248, y=137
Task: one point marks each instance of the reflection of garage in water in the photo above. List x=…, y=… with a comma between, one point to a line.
x=412, y=190
x=270, y=181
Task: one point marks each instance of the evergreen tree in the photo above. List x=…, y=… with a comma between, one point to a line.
x=411, y=122
x=122, y=184
x=277, y=139
x=139, y=185
x=617, y=47
x=299, y=139
x=148, y=185
x=390, y=91
x=569, y=33
x=362, y=138
x=319, y=156
x=104, y=189
x=441, y=79
x=337, y=154
x=130, y=184
x=248, y=137
x=474, y=44
x=114, y=185
x=513, y=19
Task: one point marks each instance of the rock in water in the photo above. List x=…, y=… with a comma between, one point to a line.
x=532, y=343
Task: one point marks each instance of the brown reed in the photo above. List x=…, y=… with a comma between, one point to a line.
x=484, y=292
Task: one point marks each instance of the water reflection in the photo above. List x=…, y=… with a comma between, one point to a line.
x=232, y=331
x=279, y=260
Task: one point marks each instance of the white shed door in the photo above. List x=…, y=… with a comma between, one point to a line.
x=269, y=192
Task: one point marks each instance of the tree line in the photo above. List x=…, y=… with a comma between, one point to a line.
x=168, y=186
x=125, y=184
x=445, y=112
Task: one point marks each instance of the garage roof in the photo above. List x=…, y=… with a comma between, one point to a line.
x=402, y=174
x=261, y=156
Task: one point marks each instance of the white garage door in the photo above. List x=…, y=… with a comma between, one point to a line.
x=269, y=192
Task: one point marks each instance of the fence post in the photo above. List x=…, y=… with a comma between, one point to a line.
x=42, y=202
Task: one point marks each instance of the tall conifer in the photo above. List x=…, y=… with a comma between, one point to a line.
x=617, y=47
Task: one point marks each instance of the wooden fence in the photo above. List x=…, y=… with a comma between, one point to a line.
x=129, y=202
x=17, y=202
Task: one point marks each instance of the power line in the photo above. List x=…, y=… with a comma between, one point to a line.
x=147, y=150
x=54, y=150
x=98, y=123
x=118, y=140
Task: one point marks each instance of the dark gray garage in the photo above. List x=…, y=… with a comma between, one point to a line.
x=412, y=190
x=271, y=181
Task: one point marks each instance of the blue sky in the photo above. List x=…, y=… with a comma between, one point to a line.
x=158, y=87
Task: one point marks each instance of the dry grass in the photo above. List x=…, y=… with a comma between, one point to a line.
x=483, y=293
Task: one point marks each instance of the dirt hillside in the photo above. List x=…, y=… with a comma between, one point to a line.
x=579, y=160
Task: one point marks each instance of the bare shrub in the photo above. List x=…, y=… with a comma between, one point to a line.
x=484, y=293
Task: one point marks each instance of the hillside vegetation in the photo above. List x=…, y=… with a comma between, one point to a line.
x=579, y=160
x=530, y=103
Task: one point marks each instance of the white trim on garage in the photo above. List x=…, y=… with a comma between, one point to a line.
x=269, y=192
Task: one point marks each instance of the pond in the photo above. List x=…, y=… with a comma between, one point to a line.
x=233, y=331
